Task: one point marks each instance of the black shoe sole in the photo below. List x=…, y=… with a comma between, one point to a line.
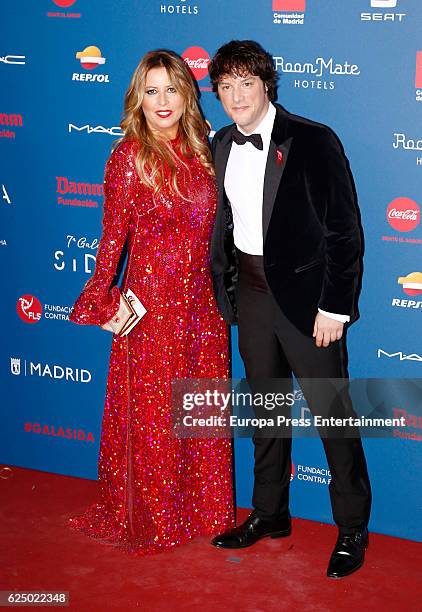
x=273, y=535
x=352, y=571
x=281, y=534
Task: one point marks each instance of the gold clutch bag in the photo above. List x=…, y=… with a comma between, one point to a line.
x=136, y=311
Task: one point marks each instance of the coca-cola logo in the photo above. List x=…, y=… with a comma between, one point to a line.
x=29, y=308
x=198, y=60
x=403, y=214
x=64, y=3
x=292, y=473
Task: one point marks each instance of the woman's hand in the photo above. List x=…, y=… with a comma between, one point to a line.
x=116, y=322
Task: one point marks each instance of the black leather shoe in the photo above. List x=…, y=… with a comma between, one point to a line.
x=348, y=554
x=252, y=530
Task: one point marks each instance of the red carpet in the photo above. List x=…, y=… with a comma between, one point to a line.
x=38, y=551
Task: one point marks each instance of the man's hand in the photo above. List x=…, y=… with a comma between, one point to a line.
x=116, y=322
x=326, y=330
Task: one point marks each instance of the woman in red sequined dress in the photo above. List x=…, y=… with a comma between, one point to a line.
x=156, y=490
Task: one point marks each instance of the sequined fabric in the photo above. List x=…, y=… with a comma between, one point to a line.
x=157, y=491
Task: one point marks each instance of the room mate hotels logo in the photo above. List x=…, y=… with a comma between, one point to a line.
x=90, y=58
x=321, y=73
x=180, y=7
x=289, y=12
x=405, y=142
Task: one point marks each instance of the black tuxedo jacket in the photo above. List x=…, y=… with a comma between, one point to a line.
x=310, y=222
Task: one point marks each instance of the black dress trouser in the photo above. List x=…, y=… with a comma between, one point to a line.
x=273, y=348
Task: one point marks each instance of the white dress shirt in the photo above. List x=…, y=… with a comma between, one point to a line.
x=244, y=186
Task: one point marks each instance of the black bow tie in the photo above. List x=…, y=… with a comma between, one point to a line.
x=240, y=138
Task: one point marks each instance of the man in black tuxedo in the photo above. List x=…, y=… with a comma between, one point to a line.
x=286, y=262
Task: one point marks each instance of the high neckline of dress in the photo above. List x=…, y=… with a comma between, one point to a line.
x=176, y=140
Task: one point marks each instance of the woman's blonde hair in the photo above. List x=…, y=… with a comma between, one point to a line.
x=156, y=152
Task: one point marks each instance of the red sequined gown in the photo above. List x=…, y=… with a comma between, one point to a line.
x=156, y=490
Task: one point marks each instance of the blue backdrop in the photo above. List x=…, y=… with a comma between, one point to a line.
x=356, y=66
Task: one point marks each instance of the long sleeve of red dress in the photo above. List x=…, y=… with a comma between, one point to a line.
x=99, y=300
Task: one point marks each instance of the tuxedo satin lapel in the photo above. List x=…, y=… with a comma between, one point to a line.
x=276, y=163
x=222, y=153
